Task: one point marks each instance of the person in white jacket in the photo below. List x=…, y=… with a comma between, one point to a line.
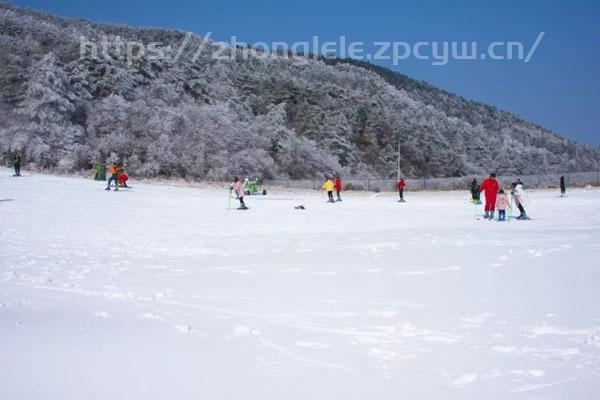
x=520, y=198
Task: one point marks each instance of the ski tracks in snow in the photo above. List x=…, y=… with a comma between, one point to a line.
x=421, y=296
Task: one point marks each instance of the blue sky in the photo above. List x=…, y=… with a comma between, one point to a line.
x=559, y=88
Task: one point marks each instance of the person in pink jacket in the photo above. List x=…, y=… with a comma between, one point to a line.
x=502, y=204
x=238, y=189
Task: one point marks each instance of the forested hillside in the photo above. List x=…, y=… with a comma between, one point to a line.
x=202, y=118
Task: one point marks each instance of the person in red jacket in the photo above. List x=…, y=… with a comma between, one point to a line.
x=401, y=185
x=338, y=187
x=122, y=178
x=490, y=188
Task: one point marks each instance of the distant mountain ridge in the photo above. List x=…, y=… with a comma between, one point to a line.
x=269, y=117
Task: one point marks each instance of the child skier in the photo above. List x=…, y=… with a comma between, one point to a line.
x=401, y=185
x=328, y=186
x=563, y=186
x=338, y=187
x=490, y=187
x=520, y=198
x=502, y=204
x=238, y=189
x=475, y=194
x=122, y=178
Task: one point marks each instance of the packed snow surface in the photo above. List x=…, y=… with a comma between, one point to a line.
x=162, y=292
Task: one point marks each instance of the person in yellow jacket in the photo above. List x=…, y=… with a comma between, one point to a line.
x=113, y=170
x=328, y=186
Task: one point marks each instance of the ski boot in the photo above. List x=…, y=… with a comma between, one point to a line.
x=107, y=188
x=491, y=215
x=523, y=216
x=487, y=215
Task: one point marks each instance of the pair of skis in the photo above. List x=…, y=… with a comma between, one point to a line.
x=230, y=199
x=508, y=217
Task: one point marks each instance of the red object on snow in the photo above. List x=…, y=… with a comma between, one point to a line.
x=123, y=179
x=401, y=184
x=338, y=184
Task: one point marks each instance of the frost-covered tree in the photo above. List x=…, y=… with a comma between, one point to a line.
x=202, y=118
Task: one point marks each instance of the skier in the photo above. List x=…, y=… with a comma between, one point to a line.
x=238, y=189
x=502, y=204
x=520, y=198
x=246, y=186
x=401, y=185
x=329, y=186
x=113, y=170
x=99, y=172
x=475, y=192
x=122, y=178
x=17, y=164
x=338, y=187
x=490, y=187
x=563, y=186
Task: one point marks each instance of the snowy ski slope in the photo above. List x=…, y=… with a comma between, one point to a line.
x=161, y=292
